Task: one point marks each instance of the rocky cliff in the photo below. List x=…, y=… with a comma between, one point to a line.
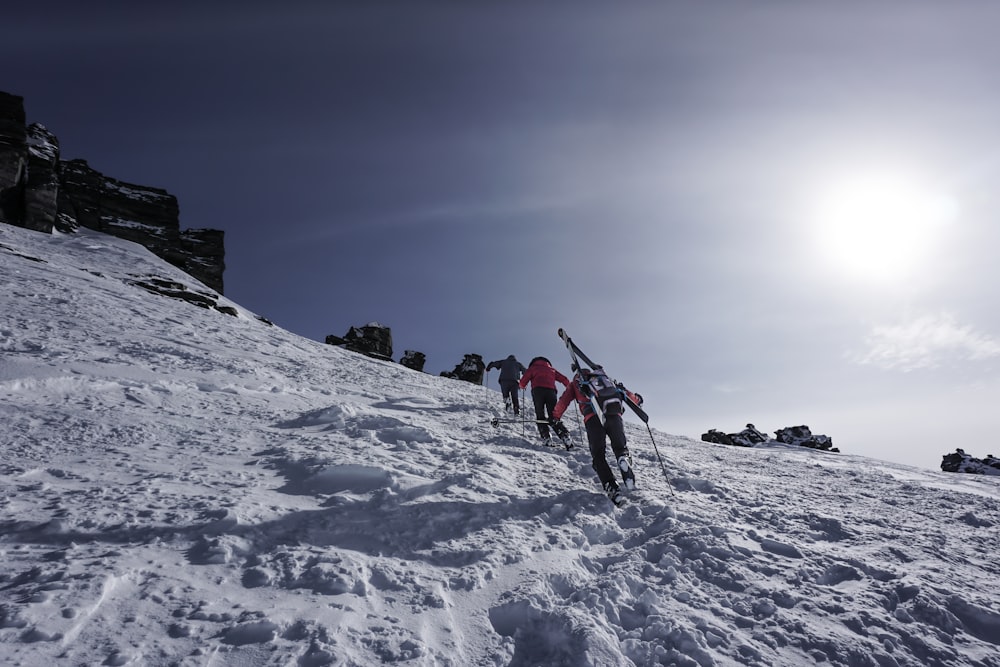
x=40, y=191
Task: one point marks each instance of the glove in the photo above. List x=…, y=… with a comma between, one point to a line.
x=638, y=398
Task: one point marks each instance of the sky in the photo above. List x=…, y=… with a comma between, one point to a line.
x=170, y=498
x=748, y=212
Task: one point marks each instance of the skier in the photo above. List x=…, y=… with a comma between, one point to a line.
x=543, y=378
x=510, y=372
x=592, y=390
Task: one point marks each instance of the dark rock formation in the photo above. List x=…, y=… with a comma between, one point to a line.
x=373, y=340
x=802, y=436
x=41, y=192
x=176, y=290
x=750, y=437
x=471, y=369
x=41, y=189
x=962, y=462
x=13, y=157
x=414, y=360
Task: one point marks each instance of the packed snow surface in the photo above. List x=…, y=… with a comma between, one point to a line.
x=179, y=486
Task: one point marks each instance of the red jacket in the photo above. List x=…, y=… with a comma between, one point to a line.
x=572, y=393
x=541, y=374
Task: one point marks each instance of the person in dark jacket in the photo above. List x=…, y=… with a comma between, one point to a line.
x=543, y=378
x=593, y=391
x=510, y=373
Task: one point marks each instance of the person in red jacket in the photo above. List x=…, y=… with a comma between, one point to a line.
x=593, y=390
x=543, y=378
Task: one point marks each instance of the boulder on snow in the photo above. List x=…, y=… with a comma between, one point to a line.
x=962, y=462
x=372, y=340
x=414, y=360
x=748, y=437
x=802, y=436
x=751, y=436
x=471, y=369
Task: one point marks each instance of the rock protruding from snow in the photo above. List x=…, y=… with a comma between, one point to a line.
x=802, y=436
x=13, y=156
x=372, y=340
x=750, y=437
x=471, y=369
x=413, y=359
x=959, y=461
x=41, y=192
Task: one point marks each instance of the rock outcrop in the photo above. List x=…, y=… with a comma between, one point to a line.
x=13, y=156
x=176, y=290
x=803, y=437
x=750, y=437
x=962, y=462
x=372, y=340
x=39, y=191
x=471, y=369
x=414, y=360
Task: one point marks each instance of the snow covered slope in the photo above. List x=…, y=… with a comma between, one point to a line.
x=179, y=486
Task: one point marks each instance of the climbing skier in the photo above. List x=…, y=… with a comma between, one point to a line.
x=510, y=373
x=593, y=390
x=543, y=378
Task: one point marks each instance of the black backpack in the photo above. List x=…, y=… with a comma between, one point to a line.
x=608, y=395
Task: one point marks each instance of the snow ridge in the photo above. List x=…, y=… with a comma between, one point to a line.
x=183, y=487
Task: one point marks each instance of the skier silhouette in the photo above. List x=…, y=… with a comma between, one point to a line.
x=510, y=373
x=587, y=388
x=543, y=378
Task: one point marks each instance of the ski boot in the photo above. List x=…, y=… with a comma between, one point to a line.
x=628, y=475
x=563, y=433
x=613, y=492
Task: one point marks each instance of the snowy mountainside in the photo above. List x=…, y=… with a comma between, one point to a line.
x=179, y=486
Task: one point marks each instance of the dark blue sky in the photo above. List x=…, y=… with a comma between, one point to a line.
x=687, y=187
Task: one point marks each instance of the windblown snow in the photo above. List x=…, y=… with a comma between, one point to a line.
x=179, y=486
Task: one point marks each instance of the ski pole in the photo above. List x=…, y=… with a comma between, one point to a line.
x=660, y=459
x=524, y=416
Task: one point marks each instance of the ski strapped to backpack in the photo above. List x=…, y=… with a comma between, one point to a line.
x=578, y=356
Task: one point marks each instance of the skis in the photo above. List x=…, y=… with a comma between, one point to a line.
x=577, y=354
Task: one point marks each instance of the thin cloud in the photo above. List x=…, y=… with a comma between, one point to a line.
x=927, y=342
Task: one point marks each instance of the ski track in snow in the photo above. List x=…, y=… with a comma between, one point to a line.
x=182, y=487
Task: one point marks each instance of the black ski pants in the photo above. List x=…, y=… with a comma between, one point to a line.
x=597, y=437
x=509, y=389
x=545, y=403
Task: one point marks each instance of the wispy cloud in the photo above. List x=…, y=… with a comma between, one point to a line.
x=926, y=342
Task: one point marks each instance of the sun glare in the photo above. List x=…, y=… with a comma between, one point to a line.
x=879, y=227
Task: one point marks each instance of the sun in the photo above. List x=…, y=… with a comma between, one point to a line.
x=878, y=227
